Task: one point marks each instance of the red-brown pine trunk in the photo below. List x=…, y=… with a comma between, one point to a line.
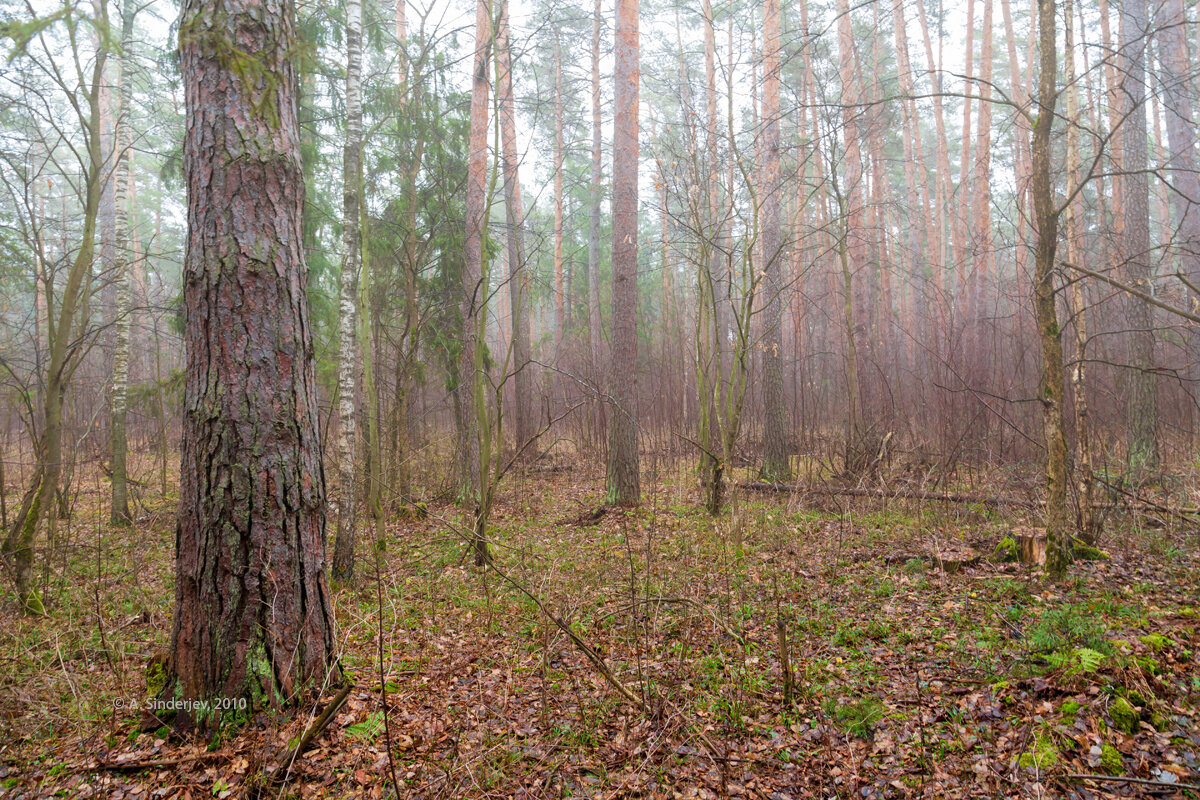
x=252, y=614
x=624, y=487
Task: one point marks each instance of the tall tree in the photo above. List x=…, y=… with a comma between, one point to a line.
x=558, y=193
x=777, y=449
x=252, y=613
x=1181, y=140
x=63, y=305
x=1143, y=391
x=518, y=277
x=348, y=304
x=849, y=196
x=624, y=486
x=474, y=291
x=122, y=177
x=597, y=192
x=1046, y=297
x=1072, y=214
x=981, y=192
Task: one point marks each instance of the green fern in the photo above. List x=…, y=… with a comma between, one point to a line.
x=1089, y=659
x=1078, y=661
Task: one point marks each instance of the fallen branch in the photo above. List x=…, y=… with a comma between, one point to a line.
x=1132, y=501
x=1139, y=781
x=1185, y=514
x=906, y=494
x=156, y=763
x=290, y=755
x=687, y=601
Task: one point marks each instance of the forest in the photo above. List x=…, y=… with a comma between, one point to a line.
x=599, y=398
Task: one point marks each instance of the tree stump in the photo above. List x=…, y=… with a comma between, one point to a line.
x=1032, y=544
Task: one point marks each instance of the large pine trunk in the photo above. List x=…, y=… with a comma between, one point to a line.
x=252, y=613
x=624, y=487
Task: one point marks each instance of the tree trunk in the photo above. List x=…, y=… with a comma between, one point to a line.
x=558, y=195
x=1045, y=297
x=962, y=211
x=1083, y=445
x=943, y=190
x=1181, y=167
x=63, y=348
x=777, y=446
x=409, y=267
x=597, y=191
x=123, y=176
x=981, y=195
x=1021, y=139
x=518, y=280
x=348, y=307
x=1143, y=392
x=473, y=290
x=849, y=195
x=252, y=613
x=624, y=487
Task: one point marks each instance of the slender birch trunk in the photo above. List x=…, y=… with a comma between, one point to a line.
x=348, y=305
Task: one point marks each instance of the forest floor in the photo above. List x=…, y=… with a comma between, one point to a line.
x=909, y=680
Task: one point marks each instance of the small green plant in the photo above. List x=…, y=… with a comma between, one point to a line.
x=368, y=728
x=1110, y=760
x=1066, y=628
x=1155, y=641
x=856, y=717
x=1077, y=661
x=1043, y=754
x=1006, y=550
x=1124, y=716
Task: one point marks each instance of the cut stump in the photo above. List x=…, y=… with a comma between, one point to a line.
x=1032, y=544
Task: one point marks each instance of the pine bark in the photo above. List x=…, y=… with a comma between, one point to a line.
x=943, y=188
x=518, y=280
x=1181, y=165
x=777, y=447
x=981, y=195
x=252, y=612
x=1138, y=269
x=1021, y=140
x=962, y=211
x=623, y=483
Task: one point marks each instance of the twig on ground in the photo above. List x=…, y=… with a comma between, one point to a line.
x=291, y=754
x=1138, y=781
